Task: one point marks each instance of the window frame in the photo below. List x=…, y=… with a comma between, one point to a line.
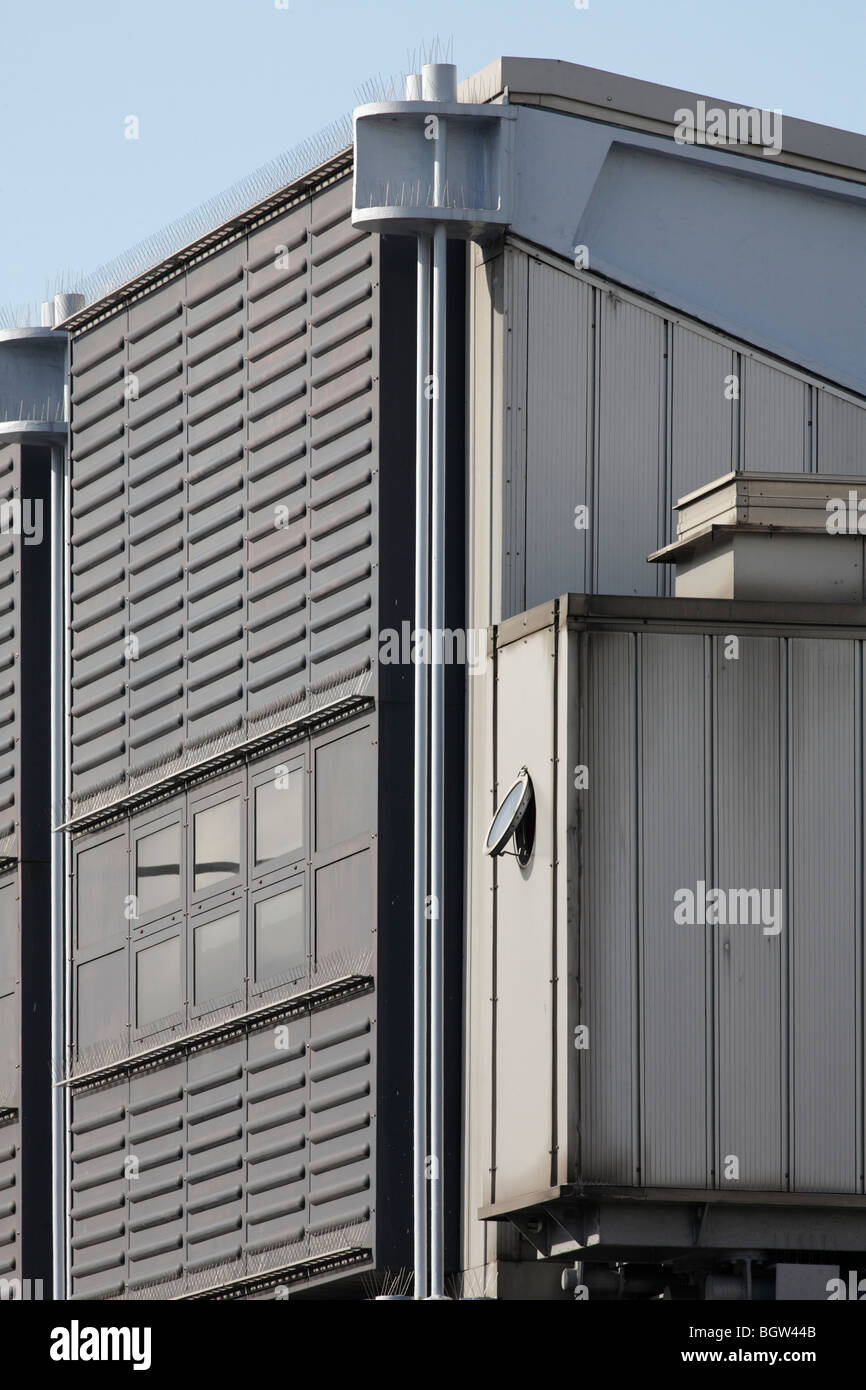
x=273, y=889
x=203, y=800
x=170, y=1022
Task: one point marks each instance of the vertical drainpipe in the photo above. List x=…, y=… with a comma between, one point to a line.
x=439, y=83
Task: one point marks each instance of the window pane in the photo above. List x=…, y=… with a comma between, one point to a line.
x=217, y=958
x=102, y=890
x=280, y=938
x=217, y=839
x=279, y=816
x=157, y=993
x=103, y=995
x=8, y=936
x=157, y=869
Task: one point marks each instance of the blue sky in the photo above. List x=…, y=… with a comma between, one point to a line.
x=221, y=86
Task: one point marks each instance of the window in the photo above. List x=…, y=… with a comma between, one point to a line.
x=157, y=869
x=279, y=815
x=216, y=958
x=103, y=999
x=280, y=938
x=217, y=843
x=8, y=936
x=157, y=987
x=101, y=891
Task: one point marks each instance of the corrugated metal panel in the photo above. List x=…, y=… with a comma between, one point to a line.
x=559, y=338
x=673, y=957
x=514, y=434
x=630, y=438
x=636, y=469
x=702, y=419
x=824, y=991
x=608, y=1068
x=239, y=1149
x=225, y=490
x=10, y=1185
x=750, y=1064
x=841, y=435
x=774, y=408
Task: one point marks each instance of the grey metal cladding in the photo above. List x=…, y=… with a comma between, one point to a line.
x=224, y=441
x=10, y=617
x=243, y=1151
x=614, y=401
x=748, y=810
x=609, y=1090
x=629, y=445
x=824, y=902
x=673, y=958
x=559, y=338
x=10, y=1186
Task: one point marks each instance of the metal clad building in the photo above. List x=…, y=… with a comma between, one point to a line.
x=240, y=438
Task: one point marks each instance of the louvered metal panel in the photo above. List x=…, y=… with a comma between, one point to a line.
x=10, y=642
x=10, y=1188
x=559, y=348
x=183, y=1174
x=225, y=433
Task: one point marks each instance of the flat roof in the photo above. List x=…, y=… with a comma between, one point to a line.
x=650, y=106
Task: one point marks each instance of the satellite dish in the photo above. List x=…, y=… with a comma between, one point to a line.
x=515, y=816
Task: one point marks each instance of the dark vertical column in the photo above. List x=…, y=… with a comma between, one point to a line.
x=33, y=673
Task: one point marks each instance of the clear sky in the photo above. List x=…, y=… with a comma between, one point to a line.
x=221, y=86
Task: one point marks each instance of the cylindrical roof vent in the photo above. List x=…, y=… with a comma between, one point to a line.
x=48, y=314
x=66, y=305
x=439, y=82
x=413, y=87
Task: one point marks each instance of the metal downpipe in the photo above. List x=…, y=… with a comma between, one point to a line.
x=422, y=483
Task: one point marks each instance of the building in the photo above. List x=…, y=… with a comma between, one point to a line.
x=651, y=299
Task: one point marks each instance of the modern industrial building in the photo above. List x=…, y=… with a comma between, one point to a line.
x=654, y=398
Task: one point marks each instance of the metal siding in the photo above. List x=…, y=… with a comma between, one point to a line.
x=673, y=957
x=702, y=423
x=608, y=947
x=256, y=376
x=516, y=373
x=559, y=338
x=630, y=431
x=524, y=908
x=750, y=1066
x=242, y=1148
x=825, y=994
x=10, y=1186
x=774, y=409
x=841, y=435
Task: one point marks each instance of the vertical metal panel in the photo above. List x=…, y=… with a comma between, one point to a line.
x=514, y=433
x=673, y=957
x=750, y=1066
x=559, y=340
x=702, y=417
x=608, y=1068
x=841, y=435
x=524, y=911
x=342, y=1065
x=825, y=993
x=630, y=434
x=774, y=410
